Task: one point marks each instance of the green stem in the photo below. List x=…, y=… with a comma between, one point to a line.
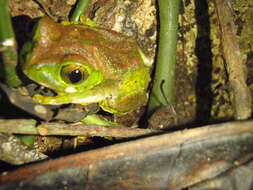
x=8, y=46
x=163, y=90
x=5, y=21
x=79, y=10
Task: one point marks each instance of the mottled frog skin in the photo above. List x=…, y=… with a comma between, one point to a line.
x=86, y=64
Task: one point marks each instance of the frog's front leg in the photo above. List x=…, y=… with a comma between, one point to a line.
x=131, y=95
x=124, y=104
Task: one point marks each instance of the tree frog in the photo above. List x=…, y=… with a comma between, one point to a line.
x=87, y=64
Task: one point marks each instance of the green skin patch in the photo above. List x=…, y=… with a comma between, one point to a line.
x=79, y=82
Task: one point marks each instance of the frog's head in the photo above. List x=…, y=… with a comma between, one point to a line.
x=45, y=61
x=65, y=77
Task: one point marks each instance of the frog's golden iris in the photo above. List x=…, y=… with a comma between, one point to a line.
x=73, y=74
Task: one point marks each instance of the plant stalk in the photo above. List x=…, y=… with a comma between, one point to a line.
x=163, y=90
x=8, y=46
x=79, y=10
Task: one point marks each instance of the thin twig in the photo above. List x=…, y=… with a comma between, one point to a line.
x=45, y=9
x=26, y=103
x=236, y=67
x=18, y=126
x=22, y=126
x=91, y=130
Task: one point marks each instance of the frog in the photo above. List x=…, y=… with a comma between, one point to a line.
x=85, y=64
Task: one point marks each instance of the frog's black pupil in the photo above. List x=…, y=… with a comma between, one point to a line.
x=75, y=76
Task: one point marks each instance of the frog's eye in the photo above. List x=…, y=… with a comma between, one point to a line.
x=73, y=74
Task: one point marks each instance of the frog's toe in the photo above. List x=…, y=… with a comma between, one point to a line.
x=38, y=98
x=44, y=99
